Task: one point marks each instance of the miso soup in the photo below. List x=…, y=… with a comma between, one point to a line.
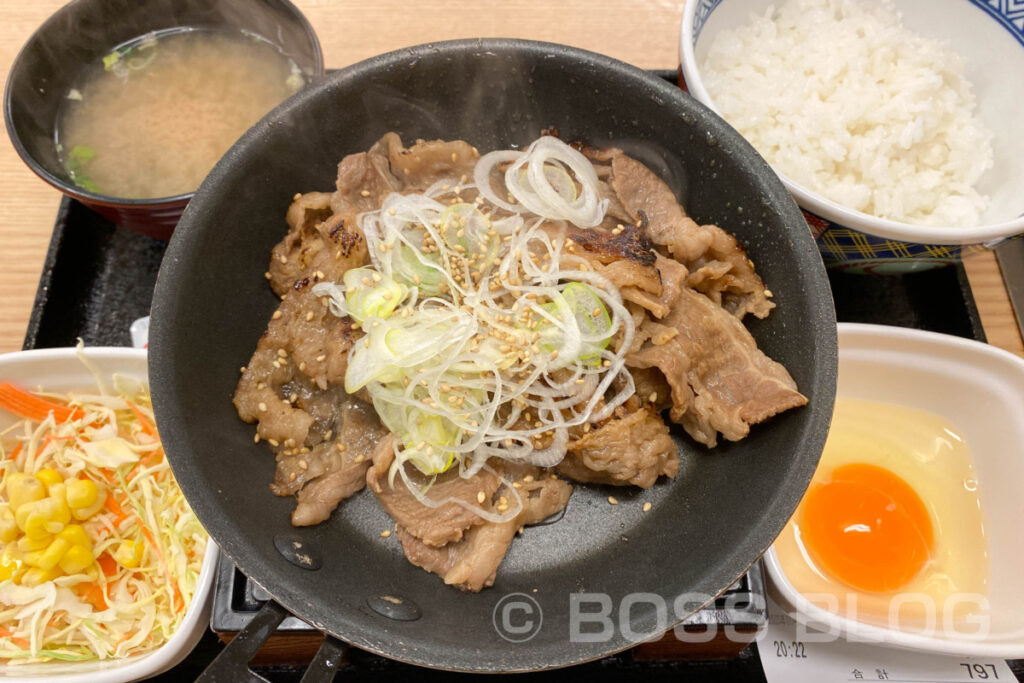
x=154, y=115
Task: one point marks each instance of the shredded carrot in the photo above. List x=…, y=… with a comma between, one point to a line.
x=15, y=451
x=20, y=642
x=25, y=404
x=107, y=563
x=147, y=426
x=48, y=439
x=93, y=593
x=150, y=459
x=111, y=504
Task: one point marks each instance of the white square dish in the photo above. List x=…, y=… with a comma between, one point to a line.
x=63, y=370
x=979, y=389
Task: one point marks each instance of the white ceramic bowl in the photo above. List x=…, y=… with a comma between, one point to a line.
x=61, y=370
x=979, y=389
x=991, y=41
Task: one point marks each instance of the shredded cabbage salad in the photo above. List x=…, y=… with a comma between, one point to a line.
x=486, y=335
x=101, y=553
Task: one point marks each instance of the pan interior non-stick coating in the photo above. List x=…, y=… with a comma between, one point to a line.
x=704, y=528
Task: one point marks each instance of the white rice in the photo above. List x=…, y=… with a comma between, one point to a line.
x=841, y=98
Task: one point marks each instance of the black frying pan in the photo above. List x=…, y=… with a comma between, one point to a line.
x=706, y=527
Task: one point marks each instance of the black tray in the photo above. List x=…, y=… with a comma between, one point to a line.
x=98, y=278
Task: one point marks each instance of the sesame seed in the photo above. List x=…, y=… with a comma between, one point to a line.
x=291, y=477
x=653, y=398
x=341, y=447
x=263, y=407
x=455, y=157
x=273, y=442
x=303, y=465
x=647, y=507
x=503, y=507
x=365, y=193
x=283, y=258
x=359, y=458
x=309, y=316
x=277, y=315
x=612, y=500
x=256, y=437
x=480, y=497
x=385, y=533
x=516, y=485
x=528, y=478
x=321, y=358
x=319, y=274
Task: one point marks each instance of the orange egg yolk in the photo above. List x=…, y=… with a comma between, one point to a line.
x=867, y=527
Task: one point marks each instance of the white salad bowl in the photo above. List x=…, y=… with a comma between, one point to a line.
x=989, y=36
x=979, y=389
x=63, y=370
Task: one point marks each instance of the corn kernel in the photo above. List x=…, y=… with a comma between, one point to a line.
x=77, y=560
x=8, y=527
x=49, y=477
x=75, y=534
x=41, y=517
x=30, y=520
x=53, y=554
x=57, y=491
x=129, y=554
x=10, y=562
x=81, y=493
x=23, y=488
x=36, y=576
x=85, y=513
x=32, y=558
x=27, y=545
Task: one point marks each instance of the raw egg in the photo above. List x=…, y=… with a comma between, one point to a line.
x=892, y=509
